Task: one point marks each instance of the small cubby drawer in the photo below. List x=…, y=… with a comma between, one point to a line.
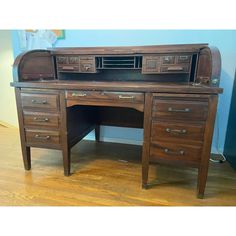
x=87, y=66
x=175, y=69
x=183, y=59
x=168, y=59
x=41, y=119
x=40, y=101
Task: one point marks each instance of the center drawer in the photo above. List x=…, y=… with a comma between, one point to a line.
x=179, y=109
x=106, y=96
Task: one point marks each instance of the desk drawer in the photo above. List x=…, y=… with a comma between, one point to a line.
x=179, y=109
x=175, y=152
x=179, y=132
x=42, y=138
x=106, y=96
x=175, y=69
x=87, y=66
x=41, y=119
x=42, y=101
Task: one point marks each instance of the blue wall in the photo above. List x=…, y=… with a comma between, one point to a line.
x=223, y=39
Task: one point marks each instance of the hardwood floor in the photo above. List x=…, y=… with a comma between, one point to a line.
x=104, y=174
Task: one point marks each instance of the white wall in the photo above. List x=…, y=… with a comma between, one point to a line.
x=8, y=114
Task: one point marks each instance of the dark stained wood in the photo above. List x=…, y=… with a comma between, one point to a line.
x=64, y=136
x=34, y=65
x=146, y=139
x=106, y=96
x=177, y=131
x=187, y=88
x=44, y=101
x=170, y=91
x=41, y=119
x=25, y=149
x=209, y=75
x=120, y=116
x=175, y=152
x=102, y=179
x=179, y=109
x=204, y=164
x=97, y=133
x=42, y=138
x=137, y=106
x=182, y=48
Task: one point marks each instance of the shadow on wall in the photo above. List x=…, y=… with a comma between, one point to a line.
x=230, y=140
x=222, y=113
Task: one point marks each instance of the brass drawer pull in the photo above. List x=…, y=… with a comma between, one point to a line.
x=168, y=151
x=41, y=119
x=126, y=97
x=176, y=68
x=68, y=68
x=177, y=131
x=42, y=137
x=39, y=102
x=79, y=94
x=170, y=109
x=183, y=57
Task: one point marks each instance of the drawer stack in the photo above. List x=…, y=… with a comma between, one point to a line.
x=41, y=118
x=167, y=64
x=177, y=129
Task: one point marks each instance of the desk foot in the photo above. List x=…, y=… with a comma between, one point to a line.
x=200, y=195
x=67, y=173
x=145, y=186
x=97, y=133
x=26, y=157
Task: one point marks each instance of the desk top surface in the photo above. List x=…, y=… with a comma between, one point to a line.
x=121, y=86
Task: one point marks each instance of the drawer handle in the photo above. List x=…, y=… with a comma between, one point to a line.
x=41, y=119
x=42, y=137
x=79, y=94
x=126, y=97
x=39, y=102
x=68, y=68
x=170, y=109
x=177, y=131
x=87, y=68
x=176, y=68
x=183, y=57
x=168, y=151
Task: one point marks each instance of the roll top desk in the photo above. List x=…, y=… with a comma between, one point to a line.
x=170, y=91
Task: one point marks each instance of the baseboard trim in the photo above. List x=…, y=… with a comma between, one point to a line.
x=2, y=123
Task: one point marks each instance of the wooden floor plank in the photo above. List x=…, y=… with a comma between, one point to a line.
x=104, y=174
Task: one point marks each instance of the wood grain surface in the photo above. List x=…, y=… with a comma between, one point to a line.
x=103, y=174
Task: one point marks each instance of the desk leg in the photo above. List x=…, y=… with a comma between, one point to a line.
x=26, y=157
x=64, y=135
x=145, y=166
x=146, y=138
x=202, y=178
x=206, y=152
x=97, y=133
x=66, y=161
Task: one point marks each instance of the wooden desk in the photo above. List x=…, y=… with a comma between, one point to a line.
x=170, y=91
